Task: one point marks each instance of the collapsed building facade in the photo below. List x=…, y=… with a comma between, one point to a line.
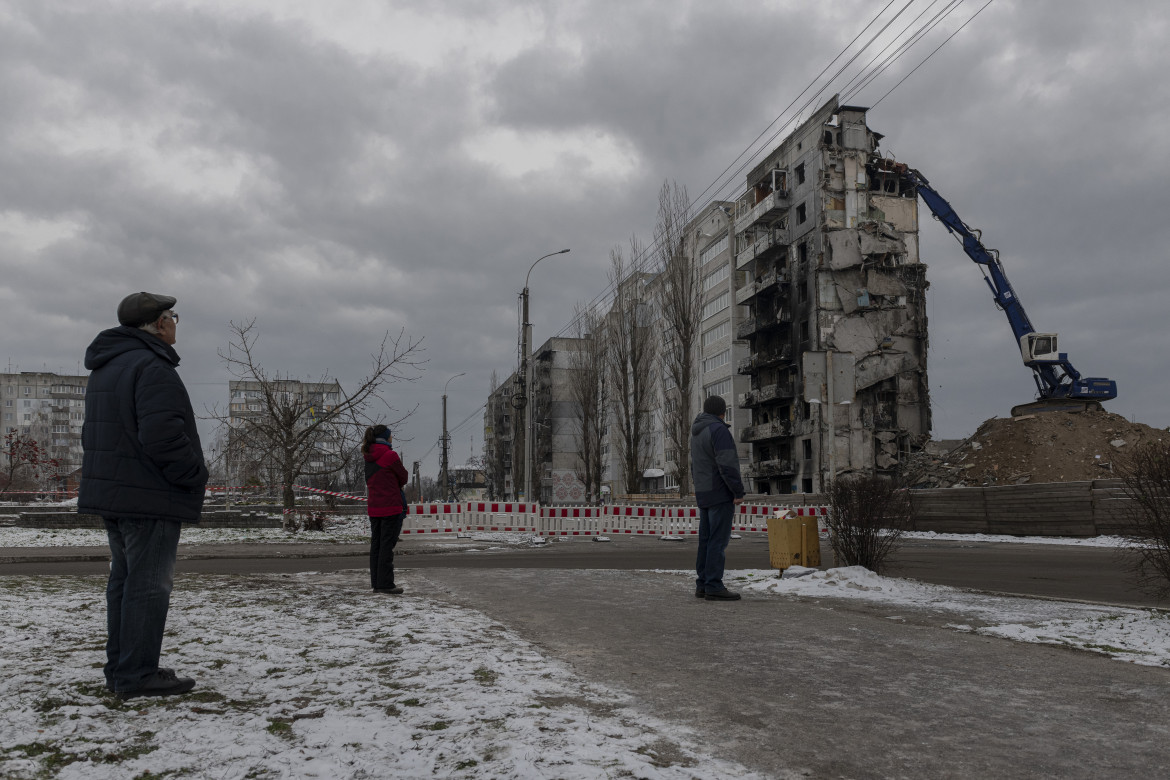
x=827, y=257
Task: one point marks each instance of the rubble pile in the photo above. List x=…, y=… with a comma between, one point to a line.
x=1051, y=447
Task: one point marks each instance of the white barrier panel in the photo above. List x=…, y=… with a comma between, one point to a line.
x=571, y=521
x=433, y=519
x=500, y=516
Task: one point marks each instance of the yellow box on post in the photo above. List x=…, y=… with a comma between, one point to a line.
x=793, y=541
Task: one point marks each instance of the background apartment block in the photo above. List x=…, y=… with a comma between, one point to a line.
x=248, y=463
x=557, y=477
x=49, y=408
x=720, y=351
x=836, y=292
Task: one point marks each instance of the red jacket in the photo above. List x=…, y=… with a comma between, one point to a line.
x=384, y=486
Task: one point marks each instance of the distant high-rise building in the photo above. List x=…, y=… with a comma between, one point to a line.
x=49, y=408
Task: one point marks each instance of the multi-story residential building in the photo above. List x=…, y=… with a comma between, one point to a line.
x=836, y=294
x=710, y=241
x=49, y=408
x=314, y=399
x=557, y=474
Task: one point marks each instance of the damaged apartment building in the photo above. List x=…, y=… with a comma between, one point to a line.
x=828, y=270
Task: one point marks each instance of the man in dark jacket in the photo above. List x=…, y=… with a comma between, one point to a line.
x=144, y=474
x=718, y=488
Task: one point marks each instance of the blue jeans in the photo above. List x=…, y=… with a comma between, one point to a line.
x=138, y=595
x=714, y=534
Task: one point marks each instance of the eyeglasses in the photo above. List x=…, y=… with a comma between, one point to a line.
x=174, y=316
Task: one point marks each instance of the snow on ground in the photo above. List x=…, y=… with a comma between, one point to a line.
x=311, y=675
x=1088, y=541
x=342, y=529
x=338, y=530
x=1140, y=636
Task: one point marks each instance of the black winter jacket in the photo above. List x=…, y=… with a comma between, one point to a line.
x=143, y=458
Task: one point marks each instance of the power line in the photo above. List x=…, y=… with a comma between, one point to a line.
x=944, y=43
x=639, y=263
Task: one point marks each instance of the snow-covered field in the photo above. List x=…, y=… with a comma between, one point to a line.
x=341, y=529
x=311, y=675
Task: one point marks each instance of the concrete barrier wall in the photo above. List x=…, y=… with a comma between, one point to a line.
x=1049, y=509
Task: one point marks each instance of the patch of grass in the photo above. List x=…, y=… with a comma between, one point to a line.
x=205, y=697
x=218, y=663
x=274, y=670
x=468, y=764
x=412, y=702
x=438, y=725
x=280, y=727
x=393, y=711
x=485, y=676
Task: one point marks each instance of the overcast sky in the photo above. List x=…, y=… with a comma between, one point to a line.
x=336, y=171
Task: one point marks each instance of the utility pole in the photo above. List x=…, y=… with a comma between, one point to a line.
x=526, y=372
x=446, y=442
x=417, y=482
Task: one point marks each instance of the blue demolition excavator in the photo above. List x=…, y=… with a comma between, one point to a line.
x=1060, y=387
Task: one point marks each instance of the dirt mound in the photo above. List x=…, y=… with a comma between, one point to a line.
x=1052, y=447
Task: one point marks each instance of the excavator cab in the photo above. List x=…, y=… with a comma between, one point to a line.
x=1040, y=348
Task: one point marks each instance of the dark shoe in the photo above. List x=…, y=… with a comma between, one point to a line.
x=722, y=595
x=700, y=593
x=396, y=589
x=164, y=683
x=110, y=683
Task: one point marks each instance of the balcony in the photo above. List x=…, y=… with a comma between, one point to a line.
x=763, y=284
x=773, y=430
x=761, y=322
x=769, y=208
x=768, y=359
x=766, y=393
x=769, y=468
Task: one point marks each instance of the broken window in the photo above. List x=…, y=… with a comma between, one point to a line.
x=803, y=252
x=800, y=174
x=801, y=214
x=807, y=445
x=806, y=485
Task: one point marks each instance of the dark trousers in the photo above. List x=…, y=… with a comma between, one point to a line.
x=138, y=595
x=714, y=534
x=384, y=533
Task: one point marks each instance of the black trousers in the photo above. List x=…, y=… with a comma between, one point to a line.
x=384, y=533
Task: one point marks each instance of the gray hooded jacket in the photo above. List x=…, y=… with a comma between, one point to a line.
x=714, y=462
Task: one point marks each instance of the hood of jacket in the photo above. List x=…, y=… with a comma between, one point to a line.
x=370, y=455
x=117, y=341
x=703, y=421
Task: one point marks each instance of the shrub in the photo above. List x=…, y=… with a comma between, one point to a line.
x=866, y=518
x=1146, y=473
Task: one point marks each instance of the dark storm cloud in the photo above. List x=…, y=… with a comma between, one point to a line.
x=256, y=167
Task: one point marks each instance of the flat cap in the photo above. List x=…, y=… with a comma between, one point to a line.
x=142, y=307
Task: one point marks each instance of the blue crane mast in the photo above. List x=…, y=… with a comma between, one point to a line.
x=1060, y=387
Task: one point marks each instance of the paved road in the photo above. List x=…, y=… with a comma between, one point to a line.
x=830, y=688
x=1052, y=571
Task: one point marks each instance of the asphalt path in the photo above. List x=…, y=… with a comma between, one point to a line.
x=831, y=688
x=1080, y=573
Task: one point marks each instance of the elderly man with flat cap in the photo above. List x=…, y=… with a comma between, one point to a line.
x=144, y=474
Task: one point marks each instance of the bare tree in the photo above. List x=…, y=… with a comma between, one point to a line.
x=680, y=299
x=587, y=393
x=304, y=434
x=27, y=465
x=630, y=358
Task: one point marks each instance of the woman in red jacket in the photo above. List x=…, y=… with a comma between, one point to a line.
x=385, y=476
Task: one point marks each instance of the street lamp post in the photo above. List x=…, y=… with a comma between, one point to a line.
x=526, y=371
x=446, y=440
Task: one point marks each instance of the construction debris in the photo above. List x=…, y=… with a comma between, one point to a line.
x=1054, y=447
